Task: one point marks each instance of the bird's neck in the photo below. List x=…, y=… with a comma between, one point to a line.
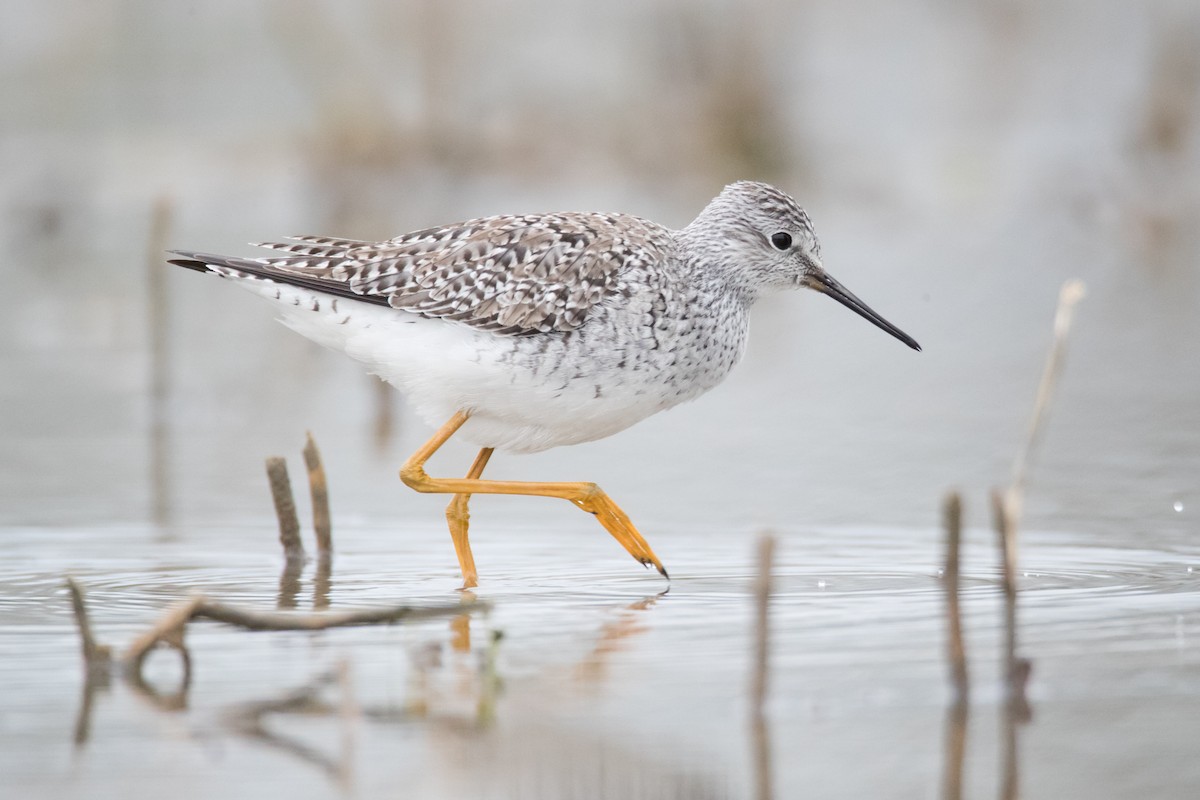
x=712, y=267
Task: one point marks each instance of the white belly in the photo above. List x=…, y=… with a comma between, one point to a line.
x=519, y=402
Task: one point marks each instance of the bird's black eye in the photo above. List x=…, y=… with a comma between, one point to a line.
x=781, y=240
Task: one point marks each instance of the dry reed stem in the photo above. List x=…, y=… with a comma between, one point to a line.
x=319, y=489
x=956, y=650
x=1007, y=506
x=285, y=508
x=1068, y=298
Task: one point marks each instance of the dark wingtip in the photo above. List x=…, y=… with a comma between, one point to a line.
x=187, y=260
x=201, y=262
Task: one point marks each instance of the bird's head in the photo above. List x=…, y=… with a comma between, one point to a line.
x=765, y=240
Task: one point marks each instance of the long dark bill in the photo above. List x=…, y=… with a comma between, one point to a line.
x=821, y=282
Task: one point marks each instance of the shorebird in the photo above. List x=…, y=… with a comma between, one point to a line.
x=522, y=333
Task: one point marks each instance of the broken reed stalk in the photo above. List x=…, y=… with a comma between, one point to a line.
x=956, y=651
x=157, y=315
x=319, y=489
x=1008, y=561
x=285, y=508
x=1007, y=506
x=1017, y=669
x=95, y=656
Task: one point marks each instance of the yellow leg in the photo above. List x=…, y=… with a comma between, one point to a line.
x=459, y=520
x=587, y=496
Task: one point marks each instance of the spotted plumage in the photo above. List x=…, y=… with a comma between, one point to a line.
x=507, y=274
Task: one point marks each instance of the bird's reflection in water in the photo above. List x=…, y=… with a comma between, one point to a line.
x=460, y=626
x=615, y=636
x=452, y=696
x=537, y=748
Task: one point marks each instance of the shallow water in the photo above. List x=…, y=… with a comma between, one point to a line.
x=603, y=679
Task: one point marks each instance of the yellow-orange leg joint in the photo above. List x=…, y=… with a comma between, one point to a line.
x=588, y=496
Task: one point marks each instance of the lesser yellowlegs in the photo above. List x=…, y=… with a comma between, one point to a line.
x=530, y=332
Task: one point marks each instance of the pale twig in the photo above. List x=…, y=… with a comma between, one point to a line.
x=319, y=489
x=1068, y=298
x=1007, y=506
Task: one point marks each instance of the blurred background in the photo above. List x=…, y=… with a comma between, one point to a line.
x=959, y=161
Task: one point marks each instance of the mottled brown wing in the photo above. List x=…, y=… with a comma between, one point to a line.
x=511, y=274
